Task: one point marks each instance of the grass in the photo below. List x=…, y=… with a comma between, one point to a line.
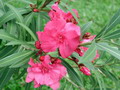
x=98, y=11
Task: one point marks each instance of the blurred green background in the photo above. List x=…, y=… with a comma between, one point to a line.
x=97, y=11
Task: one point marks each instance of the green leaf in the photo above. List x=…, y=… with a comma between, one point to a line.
x=53, y=54
x=109, y=74
x=113, y=51
x=100, y=80
x=73, y=75
x=113, y=22
x=28, y=18
x=6, y=36
x=22, y=62
x=39, y=22
x=27, y=86
x=28, y=30
x=89, y=54
x=113, y=35
x=12, y=28
x=6, y=77
x=10, y=15
x=7, y=51
x=16, y=13
x=76, y=55
x=23, y=43
x=14, y=58
x=86, y=27
x=2, y=4
x=21, y=73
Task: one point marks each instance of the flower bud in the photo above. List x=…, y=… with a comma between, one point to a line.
x=57, y=61
x=35, y=10
x=38, y=45
x=85, y=70
x=41, y=58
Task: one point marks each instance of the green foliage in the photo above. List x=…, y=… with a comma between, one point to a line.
x=18, y=28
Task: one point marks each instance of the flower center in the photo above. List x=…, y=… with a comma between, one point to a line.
x=60, y=38
x=44, y=70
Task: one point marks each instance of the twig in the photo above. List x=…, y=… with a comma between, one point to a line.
x=73, y=83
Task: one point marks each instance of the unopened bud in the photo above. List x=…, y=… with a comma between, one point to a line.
x=35, y=10
x=41, y=58
x=57, y=61
x=38, y=45
x=85, y=70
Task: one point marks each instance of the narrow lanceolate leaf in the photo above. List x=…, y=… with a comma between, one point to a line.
x=6, y=77
x=86, y=27
x=18, y=42
x=39, y=22
x=16, y=13
x=28, y=30
x=89, y=54
x=7, y=51
x=100, y=80
x=113, y=51
x=28, y=18
x=74, y=76
x=14, y=57
x=10, y=15
x=113, y=22
x=6, y=36
x=22, y=62
x=2, y=5
x=113, y=35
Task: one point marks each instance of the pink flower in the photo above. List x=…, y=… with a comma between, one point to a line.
x=87, y=38
x=61, y=35
x=57, y=13
x=69, y=17
x=85, y=70
x=45, y=73
x=81, y=50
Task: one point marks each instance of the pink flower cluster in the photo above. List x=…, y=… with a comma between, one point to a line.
x=61, y=34
x=45, y=72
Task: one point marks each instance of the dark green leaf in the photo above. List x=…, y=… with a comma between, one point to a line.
x=74, y=76
x=113, y=35
x=10, y=15
x=16, y=13
x=7, y=51
x=14, y=57
x=28, y=30
x=6, y=77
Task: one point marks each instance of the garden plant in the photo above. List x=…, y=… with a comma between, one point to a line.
x=44, y=46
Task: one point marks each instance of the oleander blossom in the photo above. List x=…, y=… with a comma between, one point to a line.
x=57, y=13
x=45, y=73
x=61, y=35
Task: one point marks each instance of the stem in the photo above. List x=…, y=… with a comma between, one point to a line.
x=45, y=4
x=74, y=83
